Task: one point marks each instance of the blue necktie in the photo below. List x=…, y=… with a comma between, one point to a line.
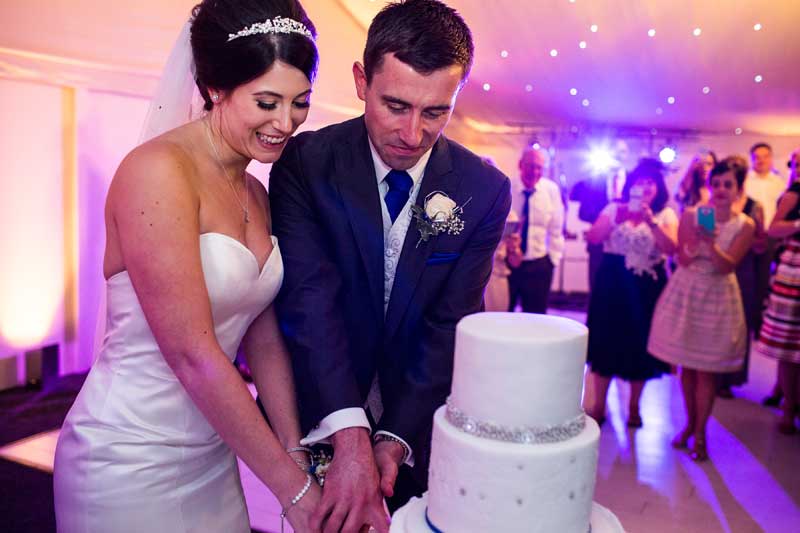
x=400, y=184
x=525, y=220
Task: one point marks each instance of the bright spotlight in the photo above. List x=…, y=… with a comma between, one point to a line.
x=600, y=159
x=667, y=155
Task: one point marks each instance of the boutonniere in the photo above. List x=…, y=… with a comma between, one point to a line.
x=439, y=214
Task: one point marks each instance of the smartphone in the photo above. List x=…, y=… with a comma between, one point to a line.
x=511, y=228
x=705, y=218
x=635, y=202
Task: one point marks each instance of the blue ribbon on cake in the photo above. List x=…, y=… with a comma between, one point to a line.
x=430, y=524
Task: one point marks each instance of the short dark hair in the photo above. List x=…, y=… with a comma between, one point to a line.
x=734, y=163
x=756, y=146
x=225, y=65
x=648, y=168
x=424, y=34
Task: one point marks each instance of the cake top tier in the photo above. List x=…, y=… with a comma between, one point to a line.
x=521, y=328
x=519, y=369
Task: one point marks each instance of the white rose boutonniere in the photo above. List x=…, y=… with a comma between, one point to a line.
x=439, y=214
x=439, y=207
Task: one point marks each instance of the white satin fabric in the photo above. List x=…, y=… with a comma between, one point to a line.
x=135, y=454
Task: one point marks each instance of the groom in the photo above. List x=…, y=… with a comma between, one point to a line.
x=370, y=299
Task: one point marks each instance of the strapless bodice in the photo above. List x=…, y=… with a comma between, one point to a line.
x=237, y=289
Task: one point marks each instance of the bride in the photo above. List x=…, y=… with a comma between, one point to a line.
x=151, y=442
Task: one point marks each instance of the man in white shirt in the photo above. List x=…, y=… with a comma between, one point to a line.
x=763, y=184
x=541, y=210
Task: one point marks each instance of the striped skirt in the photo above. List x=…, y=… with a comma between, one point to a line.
x=780, y=332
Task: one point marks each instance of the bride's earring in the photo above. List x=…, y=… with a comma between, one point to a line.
x=215, y=97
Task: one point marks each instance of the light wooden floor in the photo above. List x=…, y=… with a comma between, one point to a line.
x=751, y=483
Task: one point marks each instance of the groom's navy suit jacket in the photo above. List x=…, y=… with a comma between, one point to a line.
x=326, y=213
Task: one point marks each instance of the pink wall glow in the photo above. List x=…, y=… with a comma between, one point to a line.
x=31, y=219
x=108, y=128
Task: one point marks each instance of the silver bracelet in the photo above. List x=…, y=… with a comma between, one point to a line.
x=299, y=449
x=383, y=436
x=302, y=464
x=297, y=498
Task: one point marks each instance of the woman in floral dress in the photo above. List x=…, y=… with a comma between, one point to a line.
x=637, y=236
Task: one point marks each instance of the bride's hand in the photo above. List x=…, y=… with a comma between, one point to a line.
x=299, y=515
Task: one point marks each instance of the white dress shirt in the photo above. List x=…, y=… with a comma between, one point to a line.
x=767, y=190
x=545, y=220
x=614, y=185
x=394, y=235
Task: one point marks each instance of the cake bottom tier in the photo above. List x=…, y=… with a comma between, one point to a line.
x=411, y=519
x=481, y=485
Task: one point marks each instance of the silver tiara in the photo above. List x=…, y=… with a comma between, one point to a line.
x=276, y=25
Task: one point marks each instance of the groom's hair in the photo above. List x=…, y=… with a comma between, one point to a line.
x=427, y=35
x=224, y=65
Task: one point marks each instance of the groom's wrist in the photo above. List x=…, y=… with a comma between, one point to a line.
x=350, y=438
x=392, y=447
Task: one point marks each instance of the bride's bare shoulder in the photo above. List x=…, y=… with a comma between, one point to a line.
x=163, y=165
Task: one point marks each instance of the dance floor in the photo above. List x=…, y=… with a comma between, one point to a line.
x=750, y=484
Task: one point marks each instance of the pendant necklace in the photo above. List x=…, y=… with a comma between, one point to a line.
x=245, y=206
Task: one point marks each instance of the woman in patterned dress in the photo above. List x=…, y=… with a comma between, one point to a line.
x=699, y=320
x=637, y=236
x=780, y=332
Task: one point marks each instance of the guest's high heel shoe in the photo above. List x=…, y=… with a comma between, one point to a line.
x=600, y=419
x=773, y=400
x=786, y=423
x=787, y=428
x=699, y=452
x=681, y=440
x=635, y=420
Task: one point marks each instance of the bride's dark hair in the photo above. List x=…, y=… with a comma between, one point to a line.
x=224, y=65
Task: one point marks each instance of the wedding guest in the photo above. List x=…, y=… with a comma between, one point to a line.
x=541, y=210
x=763, y=184
x=507, y=256
x=593, y=196
x=152, y=440
x=780, y=332
x=637, y=235
x=774, y=398
x=749, y=276
x=699, y=321
x=693, y=188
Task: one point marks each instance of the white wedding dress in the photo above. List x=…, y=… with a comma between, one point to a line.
x=135, y=454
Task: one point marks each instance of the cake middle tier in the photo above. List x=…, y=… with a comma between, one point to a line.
x=479, y=485
x=518, y=369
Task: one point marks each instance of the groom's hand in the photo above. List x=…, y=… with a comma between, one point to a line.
x=351, y=497
x=388, y=455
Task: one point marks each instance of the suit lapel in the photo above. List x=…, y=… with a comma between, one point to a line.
x=439, y=176
x=357, y=185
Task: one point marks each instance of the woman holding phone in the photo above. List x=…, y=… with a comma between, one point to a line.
x=699, y=321
x=637, y=236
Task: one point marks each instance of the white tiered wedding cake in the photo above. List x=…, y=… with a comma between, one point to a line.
x=512, y=451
